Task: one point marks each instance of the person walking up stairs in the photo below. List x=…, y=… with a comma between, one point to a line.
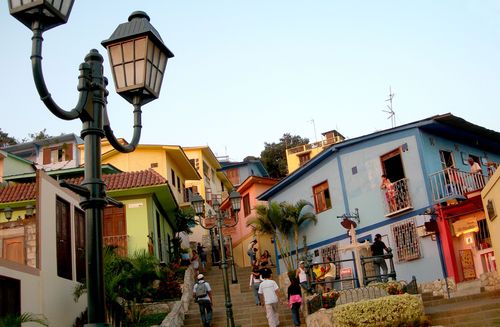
x=245, y=312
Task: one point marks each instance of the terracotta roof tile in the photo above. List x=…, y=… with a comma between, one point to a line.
x=120, y=181
x=128, y=180
x=18, y=192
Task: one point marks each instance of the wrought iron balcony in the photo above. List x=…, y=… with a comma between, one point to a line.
x=397, y=198
x=452, y=183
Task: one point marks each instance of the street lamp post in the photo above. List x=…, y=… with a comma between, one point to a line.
x=138, y=59
x=234, y=277
x=199, y=207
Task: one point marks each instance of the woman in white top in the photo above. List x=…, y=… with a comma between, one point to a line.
x=255, y=280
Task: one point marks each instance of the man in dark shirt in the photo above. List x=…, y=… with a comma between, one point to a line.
x=378, y=248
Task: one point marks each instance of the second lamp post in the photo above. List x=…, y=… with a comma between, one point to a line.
x=199, y=207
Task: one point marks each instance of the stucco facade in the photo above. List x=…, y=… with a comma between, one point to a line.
x=491, y=202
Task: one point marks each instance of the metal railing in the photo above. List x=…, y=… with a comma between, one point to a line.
x=397, y=197
x=378, y=277
x=310, y=146
x=451, y=183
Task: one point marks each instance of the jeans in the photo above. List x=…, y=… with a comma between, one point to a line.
x=380, y=263
x=205, y=312
x=255, y=288
x=296, y=314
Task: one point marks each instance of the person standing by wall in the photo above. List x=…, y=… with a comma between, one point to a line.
x=195, y=260
x=330, y=274
x=202, y=294
x=251, y=252
x=301, y=274
x=269, y=295
x=378, y=248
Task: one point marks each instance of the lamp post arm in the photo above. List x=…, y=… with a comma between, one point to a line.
x=45, y=96
x=204, y=226
x=232, y=225
x=137, y=129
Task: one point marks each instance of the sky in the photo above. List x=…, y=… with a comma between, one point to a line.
x=246, y=72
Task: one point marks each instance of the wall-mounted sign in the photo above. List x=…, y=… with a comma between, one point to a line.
x=463, y=226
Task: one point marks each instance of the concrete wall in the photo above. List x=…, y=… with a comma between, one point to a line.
x=491, y=192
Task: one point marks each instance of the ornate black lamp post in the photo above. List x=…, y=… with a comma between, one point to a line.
x=138, y=59
x=199, y=207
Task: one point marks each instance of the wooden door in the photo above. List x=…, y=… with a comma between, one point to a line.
x=63, y=239
x=80, y=245
x=13, y=249
x=115, y=228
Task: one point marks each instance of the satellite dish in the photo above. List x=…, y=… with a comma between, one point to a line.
x=347, y=223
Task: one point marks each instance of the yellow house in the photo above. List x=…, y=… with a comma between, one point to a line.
x=170, y=161
x=214, y=183
x=298, y=156
x=491, y=203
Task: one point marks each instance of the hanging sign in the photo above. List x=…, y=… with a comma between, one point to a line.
x=464, y=226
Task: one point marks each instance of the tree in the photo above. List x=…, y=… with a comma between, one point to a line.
x=270, y=220
x=41, y=135
x=299, y=214
x=273, y=156
x=5, y=139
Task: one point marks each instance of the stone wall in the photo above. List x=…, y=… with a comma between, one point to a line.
x=176, y=316
x=490, y=281
x=438, y=287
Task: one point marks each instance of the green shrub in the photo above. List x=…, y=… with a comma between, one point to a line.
x=388, y=311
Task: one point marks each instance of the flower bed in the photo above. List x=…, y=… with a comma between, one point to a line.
x=395, y=310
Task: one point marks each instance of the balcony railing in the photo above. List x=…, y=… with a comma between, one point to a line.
x=452, y=183
x=397, y=198
x=310, y=146
x=120, y=241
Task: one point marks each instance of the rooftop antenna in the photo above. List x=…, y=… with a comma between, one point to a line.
x=390, y=111
x=314, y=126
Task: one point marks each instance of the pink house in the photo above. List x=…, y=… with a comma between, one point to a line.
x=242, y=234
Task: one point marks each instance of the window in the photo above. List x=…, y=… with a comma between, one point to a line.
x=195, y=163
x=63, y=239
x=10, y=296
x=63, y=152
x=407, y=242
x=446, y=159
x=322, y=199
x=392, y=165
x=154, y=165
x=172, y=175
x=483, y=239
x=246, y=205
x=233, y=175
x=80, y=245
x=303, y=158
x=178, y=184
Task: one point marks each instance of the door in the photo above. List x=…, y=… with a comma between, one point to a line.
x=13, y=249
x=115, y=229
x=63, y=239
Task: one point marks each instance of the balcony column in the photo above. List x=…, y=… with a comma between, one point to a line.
x=447, y=246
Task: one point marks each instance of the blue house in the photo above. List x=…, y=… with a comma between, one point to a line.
x=416, y=158
x=238, y=172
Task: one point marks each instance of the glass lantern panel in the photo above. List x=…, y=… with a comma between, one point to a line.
x=57, y=4
x=116, y=54
x=140, y=71
x=17, y=3
x=129, y=74
x=119, y=76
x=65, y=7
x=159, y=78
x=128, y=51
x=140, y=48
x=149, y=68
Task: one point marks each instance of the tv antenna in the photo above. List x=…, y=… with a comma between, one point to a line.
x=314, y=126
x=390, y=111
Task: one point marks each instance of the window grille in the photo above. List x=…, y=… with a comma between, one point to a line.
x=407, y=241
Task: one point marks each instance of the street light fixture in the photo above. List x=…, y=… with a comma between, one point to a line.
x=138, y=76
x=199, y=207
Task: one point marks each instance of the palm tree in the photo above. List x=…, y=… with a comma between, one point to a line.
x=270, y=220
x=298, y=215
x=14, y=320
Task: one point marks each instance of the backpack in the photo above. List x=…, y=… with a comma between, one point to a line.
x=200, y=290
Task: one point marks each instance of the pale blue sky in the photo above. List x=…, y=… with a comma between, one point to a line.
x=245, y=72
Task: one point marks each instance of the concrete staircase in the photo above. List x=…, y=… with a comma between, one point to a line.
x=245, y=312
x=472, y=310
